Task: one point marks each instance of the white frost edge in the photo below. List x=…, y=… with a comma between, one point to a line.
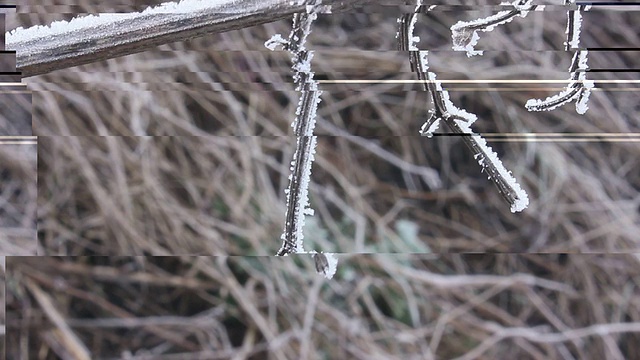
x=413, y=39
x=582, y=64
x=302, y=209
x=423, y=60
x=524, y=8
x=582, y=105
x=469, y=48
x=432, y=128
x=313, y=15
x=538, y=104
x=332, y=262
x=21, y=34
x=577, y=28
x=523, y=198
x=450, y=108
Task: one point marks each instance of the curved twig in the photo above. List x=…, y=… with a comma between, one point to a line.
x=464, y=34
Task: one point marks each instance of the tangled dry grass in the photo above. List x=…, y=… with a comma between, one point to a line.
x=18, y=193
x=147, y=160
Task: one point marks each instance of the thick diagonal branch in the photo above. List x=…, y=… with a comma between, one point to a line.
x=42, y=49
x=458, y=120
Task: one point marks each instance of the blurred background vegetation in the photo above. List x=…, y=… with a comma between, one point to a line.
x=152, y=168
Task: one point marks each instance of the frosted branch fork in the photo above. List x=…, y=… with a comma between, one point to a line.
x=458, y=120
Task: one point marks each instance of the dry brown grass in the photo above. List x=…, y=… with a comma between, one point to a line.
x=18, y=192
x=208, y=177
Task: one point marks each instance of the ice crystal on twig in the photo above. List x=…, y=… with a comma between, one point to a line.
x=275, y=41
x=458, y=120
x=303, y=124
x=326, y=264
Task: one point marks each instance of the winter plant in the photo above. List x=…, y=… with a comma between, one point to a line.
x=303, y=125
x=464, y=38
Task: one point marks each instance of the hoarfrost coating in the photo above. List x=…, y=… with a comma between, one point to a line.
x=89, y=21
x=275, y=41
x=332, y=261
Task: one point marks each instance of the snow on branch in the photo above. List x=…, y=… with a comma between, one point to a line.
x=90, y=38
x=326, y=264
x=458, y=120
x=464, y=34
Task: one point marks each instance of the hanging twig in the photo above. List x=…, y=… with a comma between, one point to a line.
x=304, y=123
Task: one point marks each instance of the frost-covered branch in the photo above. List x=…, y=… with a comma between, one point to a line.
x=465, y=33
x=303, y=125
x=579, y=88
x=458, y=120
x=574, y=25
